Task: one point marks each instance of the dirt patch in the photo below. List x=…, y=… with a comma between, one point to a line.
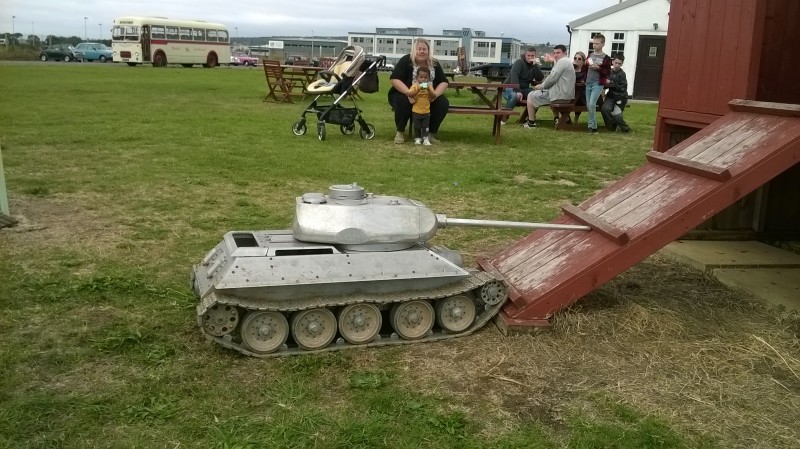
x=661, y=338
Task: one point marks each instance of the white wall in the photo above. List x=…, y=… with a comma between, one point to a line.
x=634, y=21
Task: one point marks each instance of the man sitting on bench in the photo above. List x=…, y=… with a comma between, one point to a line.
x=558, y=87
x=524, y=74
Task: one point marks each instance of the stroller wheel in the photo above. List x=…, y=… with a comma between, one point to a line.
x=299, y=128
x=321, y=131
x=368, y=133
x=348, y=129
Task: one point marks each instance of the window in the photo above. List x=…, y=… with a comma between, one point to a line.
x=172, y=33
x=222, y=35
x=186, y=33
x=157, y=32
x=212, y=35
x=617, y=47
x=198, y=34
x=619, y=36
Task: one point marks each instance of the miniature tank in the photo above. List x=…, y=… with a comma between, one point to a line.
x=355, y=270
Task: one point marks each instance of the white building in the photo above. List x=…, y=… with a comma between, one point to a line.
x=638, y=28
x=479, y=48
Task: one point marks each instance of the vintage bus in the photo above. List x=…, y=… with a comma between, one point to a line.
x=158, y=40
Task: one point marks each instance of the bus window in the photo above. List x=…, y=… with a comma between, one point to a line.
x=172, y=33
x=157, y=32
x=198, y=34
x=212, y=35
x=186, y=34
x=132, y=33
x=223, y=36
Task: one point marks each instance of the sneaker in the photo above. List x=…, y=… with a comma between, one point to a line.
x=432, y=138
x=530, y=124
x=399, y=138
x=417, y=141
x=592, y=130
x=555, y=122
x=426, y=142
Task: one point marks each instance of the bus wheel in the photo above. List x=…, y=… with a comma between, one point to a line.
x=132, y=64
x=211, y=61
x=159, y=59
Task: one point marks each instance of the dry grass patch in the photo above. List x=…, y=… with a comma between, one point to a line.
x=661, y=338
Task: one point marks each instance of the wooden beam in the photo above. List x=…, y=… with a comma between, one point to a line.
x=598, y=225
x=764, y=107
x=707, y=171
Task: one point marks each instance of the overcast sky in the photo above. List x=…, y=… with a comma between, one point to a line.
x=532, y=21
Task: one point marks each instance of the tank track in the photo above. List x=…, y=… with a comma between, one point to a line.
x=470, y=285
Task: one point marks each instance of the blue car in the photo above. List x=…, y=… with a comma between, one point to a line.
x=94, y=51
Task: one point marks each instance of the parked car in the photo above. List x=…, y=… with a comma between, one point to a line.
x=60, y=52
x=386, y=68
x=94, y=51
x=243, y=59
x=300, y=60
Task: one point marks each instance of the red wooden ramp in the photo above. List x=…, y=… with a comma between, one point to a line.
x=669, y=195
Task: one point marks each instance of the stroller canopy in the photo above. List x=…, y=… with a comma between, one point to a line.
x=346, y=66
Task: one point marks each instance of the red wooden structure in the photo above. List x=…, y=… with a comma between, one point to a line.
x=650, y=207
x=718, y=50
x=710, y=153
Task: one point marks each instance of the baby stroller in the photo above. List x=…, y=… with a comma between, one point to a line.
x=350, y=71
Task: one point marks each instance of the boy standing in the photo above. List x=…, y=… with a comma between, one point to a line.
x=599, y=70
x=616, y=97
x=421, y=110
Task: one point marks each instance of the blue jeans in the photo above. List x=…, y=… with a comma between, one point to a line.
x=510, y=97
x=593, y=91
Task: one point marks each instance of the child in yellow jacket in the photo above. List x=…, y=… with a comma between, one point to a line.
x=421, y=110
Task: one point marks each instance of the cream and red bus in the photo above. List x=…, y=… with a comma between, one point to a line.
x=162, y=41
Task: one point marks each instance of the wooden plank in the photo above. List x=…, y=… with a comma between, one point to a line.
x=602, y=227
x=764, y=107
x=575, y=260
x=624, y=188
x=642, y=200
x=727, y=152
x=689, y=166
x=720, y=130
x=698, y=56
x=525, y=251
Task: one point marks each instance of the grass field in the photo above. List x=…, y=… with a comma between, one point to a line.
x=122, y=178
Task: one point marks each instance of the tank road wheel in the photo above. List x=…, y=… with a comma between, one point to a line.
x=455, y=314
x=347, y=129
x=220, y=319
x=494, y=293
x=264, y=332
x=367, y=133
x=313, y=329
x=494, y=72
x=360, y=323
x=412, y=320
x=299, y=128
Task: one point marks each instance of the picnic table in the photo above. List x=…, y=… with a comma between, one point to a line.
x=491, y=105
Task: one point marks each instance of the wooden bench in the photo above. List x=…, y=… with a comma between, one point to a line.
x=499, y=114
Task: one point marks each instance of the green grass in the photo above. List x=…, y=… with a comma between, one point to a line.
x=127, y=176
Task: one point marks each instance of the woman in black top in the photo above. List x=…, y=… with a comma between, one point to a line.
x=405, y=71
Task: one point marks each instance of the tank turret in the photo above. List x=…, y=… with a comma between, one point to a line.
x=355, y=270
x=355, y=220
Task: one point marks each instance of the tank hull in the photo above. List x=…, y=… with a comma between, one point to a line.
x=256, y=283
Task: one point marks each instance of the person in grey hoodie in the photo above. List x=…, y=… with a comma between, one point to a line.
x=558, y=87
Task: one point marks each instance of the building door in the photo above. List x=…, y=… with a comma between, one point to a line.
x=649, y=65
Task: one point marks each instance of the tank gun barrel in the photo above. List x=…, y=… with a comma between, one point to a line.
x=443, y=221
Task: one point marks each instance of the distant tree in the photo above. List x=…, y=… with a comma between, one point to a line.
x=34, y=41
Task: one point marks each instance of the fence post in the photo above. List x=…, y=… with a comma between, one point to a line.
x=3, y=193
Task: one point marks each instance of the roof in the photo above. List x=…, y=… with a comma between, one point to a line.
x=605, y=12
